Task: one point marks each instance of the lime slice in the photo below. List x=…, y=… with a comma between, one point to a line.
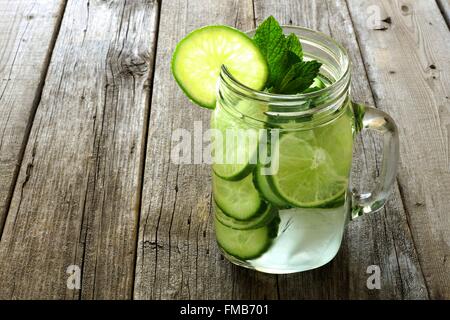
x=314, y=165
x=337, y=139
x=198, y=58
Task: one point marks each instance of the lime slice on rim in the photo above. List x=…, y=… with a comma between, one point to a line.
x=313, y=166
x=198, y=58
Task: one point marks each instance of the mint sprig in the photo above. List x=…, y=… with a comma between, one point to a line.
x=288, y=73
x=271, y=41
x=299, y=77
x=294, y=45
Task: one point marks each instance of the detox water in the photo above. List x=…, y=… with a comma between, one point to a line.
x=306, y=239
x=282, y=127
x=292, y=219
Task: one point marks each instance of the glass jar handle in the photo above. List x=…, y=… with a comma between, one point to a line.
x=368, y=118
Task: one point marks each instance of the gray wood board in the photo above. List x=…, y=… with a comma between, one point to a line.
x=78, y=192
x=27, y=32
x=408, y=66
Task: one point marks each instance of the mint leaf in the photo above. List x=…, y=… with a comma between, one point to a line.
x=292, y=59
x=271, y=41
x=284, y=55
x=317, y=85
x=299, y=77
x=294, y=45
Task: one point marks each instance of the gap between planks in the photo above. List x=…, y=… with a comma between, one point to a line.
x=34, y=106
x=144, y=146
x=444, y=7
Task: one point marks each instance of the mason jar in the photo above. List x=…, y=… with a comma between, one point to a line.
x=281, y=165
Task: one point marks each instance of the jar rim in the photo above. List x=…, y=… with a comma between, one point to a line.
x=342, y=80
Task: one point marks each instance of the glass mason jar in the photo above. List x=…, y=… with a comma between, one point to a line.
x=281, y=165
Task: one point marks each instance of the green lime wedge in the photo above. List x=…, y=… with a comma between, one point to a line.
x=314, y=165
x=198, y=58
x=337, y=139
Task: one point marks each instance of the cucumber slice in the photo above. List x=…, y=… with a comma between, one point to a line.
x=238, y=199
x=267, y=213
x=231, y=154
x=262, y=183
x=232, y=172
x=243, y=244
x=198, y=58
x=239, y=141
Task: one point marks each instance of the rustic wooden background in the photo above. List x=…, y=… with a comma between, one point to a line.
x=87, y=107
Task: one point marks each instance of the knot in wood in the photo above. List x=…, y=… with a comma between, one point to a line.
x=134, y=64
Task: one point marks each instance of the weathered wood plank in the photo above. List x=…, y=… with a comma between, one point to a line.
x=381, y=239
x=177, y=255
x=444, y=6
x=77, y=196
x=409, y=68
x=27, y=32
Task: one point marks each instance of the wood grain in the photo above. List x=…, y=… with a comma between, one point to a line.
x=383, y=238
x=97, y=188
x=77, y=197
x=409, y=70
x=27, y=32
x=177, y=256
